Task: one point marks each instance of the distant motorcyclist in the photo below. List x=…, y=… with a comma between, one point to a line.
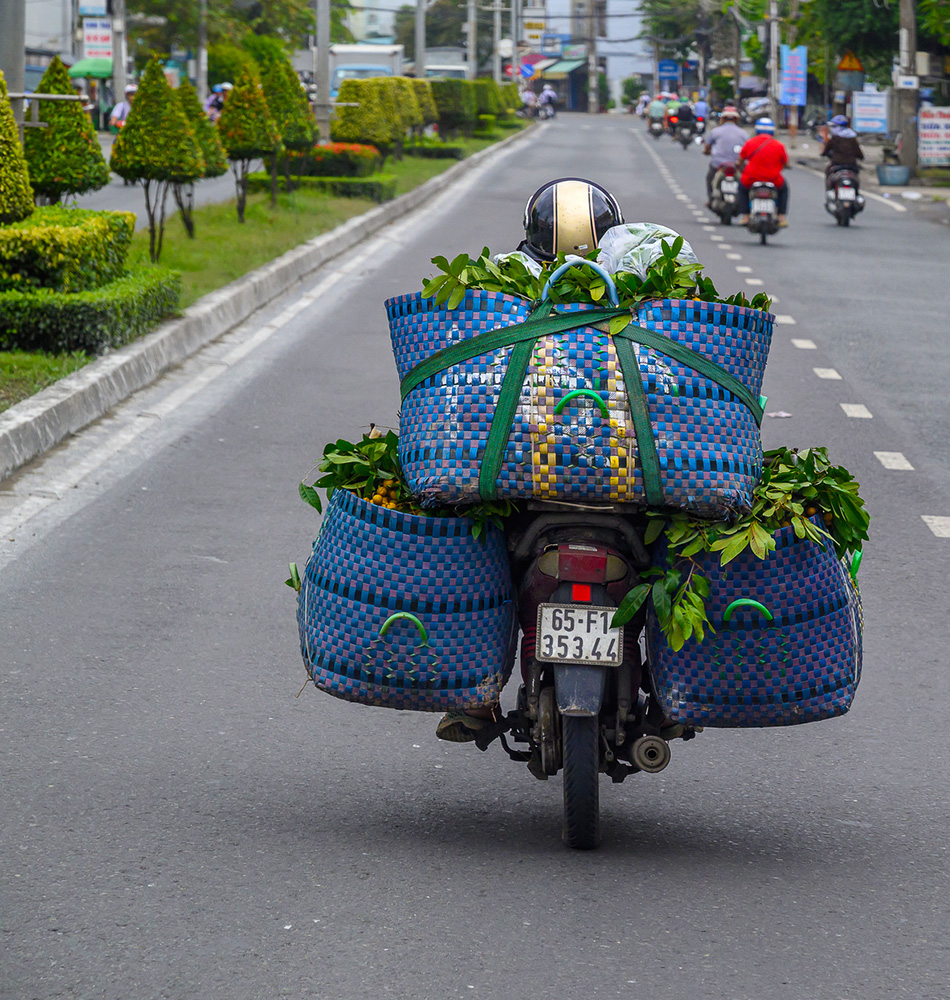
x=721, y=146
x=762, y=160
x=701, y=109
x=656, y=110
x=548, y=99
x=842, y=148
x=684, y=117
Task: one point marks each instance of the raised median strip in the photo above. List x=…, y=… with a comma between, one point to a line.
x=37, y=424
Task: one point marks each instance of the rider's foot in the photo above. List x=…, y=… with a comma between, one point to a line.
x=743, y=220
x=457, y=726
x=782, y=220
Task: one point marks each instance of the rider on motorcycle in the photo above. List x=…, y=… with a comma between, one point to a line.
x=568, y=215
x=762, y=160
x=548, y=98
x=684, y=115
x=721, y=145
x=656, y=111
x=842, y=149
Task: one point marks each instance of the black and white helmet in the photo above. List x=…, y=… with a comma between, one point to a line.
x=568, y=215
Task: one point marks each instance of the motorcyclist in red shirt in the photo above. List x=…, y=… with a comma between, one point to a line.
x=762, y=159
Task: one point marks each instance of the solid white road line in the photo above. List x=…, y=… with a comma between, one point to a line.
x=856, y=410
x=893, y=460
x=940, y=526
x=828, y=373
x=804, y=345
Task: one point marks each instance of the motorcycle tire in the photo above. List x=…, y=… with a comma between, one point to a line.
x=580, y=738
x=844, y=219
x=763, y=237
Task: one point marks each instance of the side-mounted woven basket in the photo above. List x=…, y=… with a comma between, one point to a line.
x=407, y=612
x=786, y=647
x=502, y=399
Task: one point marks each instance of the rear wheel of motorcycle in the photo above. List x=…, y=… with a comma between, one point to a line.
x=763, y=237
x=580, y=737
x=844, y=219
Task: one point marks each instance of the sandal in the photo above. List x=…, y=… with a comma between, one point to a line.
x=458, y=727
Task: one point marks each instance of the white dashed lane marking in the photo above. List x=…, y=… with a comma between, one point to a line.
x=709, y=229
x=787, y=320
x=803, y=345
x=754, y=281
x=743, y=270
x=856, y=410
x=732, y=256
x=717, y=239
x=725, y=246
x=828, y=373
x=940, y=526
x=893, y=460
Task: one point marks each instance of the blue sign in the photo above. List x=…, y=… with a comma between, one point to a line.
x=526, y=71
x=794, y=79
x=93, y=8
x=668, y=69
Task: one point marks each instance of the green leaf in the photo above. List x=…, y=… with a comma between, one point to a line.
x=630, y=605
x=661, y=601
x=654, y=529
x=309, y=495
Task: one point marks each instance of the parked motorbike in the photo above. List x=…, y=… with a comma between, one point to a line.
x=842, y=198
x=656, y=127
x=725, y=193
x=763, y=210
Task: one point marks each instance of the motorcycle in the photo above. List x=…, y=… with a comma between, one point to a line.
x=725, y=193
x=681, y=131
x=700, y=125
x=763, y=210
x=656, y=127
x=842, y=197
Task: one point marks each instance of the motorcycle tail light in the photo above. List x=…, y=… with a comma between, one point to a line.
x=729, y=171
x=580, y=592
x=673, y=119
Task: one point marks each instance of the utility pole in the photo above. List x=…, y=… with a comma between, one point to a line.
x=321, y=69
x=120, y=49
x=495, y=41
x=592, y=102
x=908, y=98
x=656, y=67
x=13, y=49
x=773, y=60
x=203, y=51
x=471, y=44
x=420, y=58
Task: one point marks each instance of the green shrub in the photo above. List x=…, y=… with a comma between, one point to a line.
x=456, y=104
x=226, y=63
x=430, y=113
x=408, y=103
x=265, y=50
x=430, y=149
x=488, y=97
x=386, y=93
x=363, y=124
x=65, y=249
x=288, y=106
x=16, y=195
x=486, y=125
x=92, y=321
x=335, y=159
x=376, y=187
x=206, y=135
x=65, y=157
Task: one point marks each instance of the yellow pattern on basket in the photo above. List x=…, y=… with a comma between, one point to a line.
x=550, y=378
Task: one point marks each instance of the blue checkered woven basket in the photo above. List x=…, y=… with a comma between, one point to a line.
x=803, y=665
x=572, y=435
x=404, y=611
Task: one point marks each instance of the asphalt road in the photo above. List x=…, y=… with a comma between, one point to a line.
x=177, y=824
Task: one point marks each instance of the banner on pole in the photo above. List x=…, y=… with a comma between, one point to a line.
x=869, y=113
x=933, y=139
x=793, y=89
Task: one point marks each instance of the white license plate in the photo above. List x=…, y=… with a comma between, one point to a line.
x=729, y=187
x=763, y=205
x=578, y=633
x=846, y=194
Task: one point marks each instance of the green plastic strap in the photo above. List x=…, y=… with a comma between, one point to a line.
x=591, y=394
x=856, y=564
x=384, y=628
x=693, y=359
x=745, y=602
x=537, y=325
x=642, y=425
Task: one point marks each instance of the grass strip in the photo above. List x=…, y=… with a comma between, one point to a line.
x=224, y=250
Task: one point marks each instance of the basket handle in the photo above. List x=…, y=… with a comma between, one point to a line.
x=575, y=262
x=408, y=617
x=855, y=565
x=745, y=602
x=592, y=393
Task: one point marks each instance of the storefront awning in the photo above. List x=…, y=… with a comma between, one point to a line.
x=562, y=69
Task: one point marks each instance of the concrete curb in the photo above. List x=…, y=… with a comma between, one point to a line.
x=37, y=424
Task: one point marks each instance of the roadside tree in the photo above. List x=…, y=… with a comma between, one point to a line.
x=290, y=110
x=364, y=121
x=212, y=153
x=156, y=146
x=16, y=195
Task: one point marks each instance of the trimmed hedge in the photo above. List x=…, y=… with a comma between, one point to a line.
x=376, y=187
x=363, y=123
x=456, y=104
x=65, y=249
x=435, y=150
x=92, y=321
x=336, y=159
x=486, y=125
x=430, y=113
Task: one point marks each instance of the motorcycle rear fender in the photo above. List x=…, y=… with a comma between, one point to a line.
x=579, y=690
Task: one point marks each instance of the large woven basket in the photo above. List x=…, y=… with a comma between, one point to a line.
x=404, y=611
x=500, y=400
x=786, y=647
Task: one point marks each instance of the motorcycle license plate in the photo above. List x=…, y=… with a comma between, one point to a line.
x=763, y=205
x=846, y=194
x=729, y=187
x=581, y=634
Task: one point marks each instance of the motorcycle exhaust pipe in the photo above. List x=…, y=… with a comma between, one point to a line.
x=650, y=754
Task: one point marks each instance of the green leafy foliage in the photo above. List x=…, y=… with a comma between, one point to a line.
x=65, y=157
x=408, y=104
x=362, y=123
x=375, y=187
x=798, y=489
x=423, y=89
x=386, y=95
x=334, y=159
x=246, y=127
x=226, y=62
x=370, y=468
x=206, y=135
x=65, y=249
x=456, y=104
x=288, y=106
x=106, y=317
x=16, y=195
x=666, y=278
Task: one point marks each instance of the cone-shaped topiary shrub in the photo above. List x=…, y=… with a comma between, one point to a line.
x=247, y=131
x=65, y=157
x=212, y=153
x=16, y=195
x=430, y=113
x=290, y=110
x=365, y=123
x=156, y=146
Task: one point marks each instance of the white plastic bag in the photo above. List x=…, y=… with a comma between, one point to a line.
x=532, y=265
x=634, y=246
